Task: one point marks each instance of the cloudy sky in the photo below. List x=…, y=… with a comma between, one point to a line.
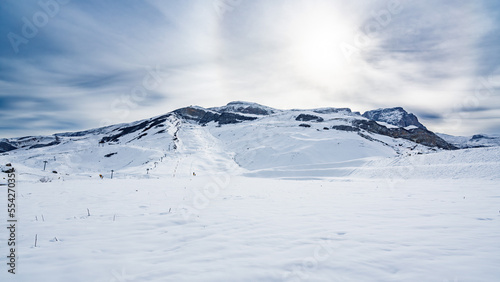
x=74, y=65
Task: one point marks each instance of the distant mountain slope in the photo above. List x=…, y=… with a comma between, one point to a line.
x=240, y=137
x=395, y=116
x=475, y=141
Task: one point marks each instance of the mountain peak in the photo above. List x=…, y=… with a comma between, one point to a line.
x=243, y=107
x=243, y=103
x=396, y=116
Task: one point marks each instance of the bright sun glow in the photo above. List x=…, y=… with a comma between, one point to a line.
x=315, y=50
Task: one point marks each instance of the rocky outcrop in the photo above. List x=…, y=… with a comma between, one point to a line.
x=7, y=168
x=244, y=108
x=395, y=116
x=334, y=111
x=480, y=136
x=144, y=126
x=417, y=135
x=229, y=118
x=203, y=116
x=306, y=117
x=346, y=128
x=53, y=143
x=5, y=146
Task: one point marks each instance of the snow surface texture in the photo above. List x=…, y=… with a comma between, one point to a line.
x=251, y=229
x=271, y=201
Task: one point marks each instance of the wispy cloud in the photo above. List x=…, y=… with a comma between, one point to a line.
x=427, y=57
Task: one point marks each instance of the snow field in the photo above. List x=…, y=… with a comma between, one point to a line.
x=253, y=229
x=271, y=201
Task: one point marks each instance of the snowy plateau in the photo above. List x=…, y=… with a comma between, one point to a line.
x=246, y=192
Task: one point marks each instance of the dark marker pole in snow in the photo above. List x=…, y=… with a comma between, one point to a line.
x=44, y=164
x=112, y=174
x=147, y=170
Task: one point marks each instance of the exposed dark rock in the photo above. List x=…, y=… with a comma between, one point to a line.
x=196, y=114
x=25, y=137
x=53, y=143
x=332, y=110
x=417, y=135
x=8, y=170
x=6, y=147
x=369, y=138
x=306, y=117
x=304, y=125
x=245, y=108
x=395, y=116
x=228, y=118
x=345, y=128
x=203, y=116
x=161, y=131
x=109, y=155
x=30, y=142
x=145, y=125
x=480, y=136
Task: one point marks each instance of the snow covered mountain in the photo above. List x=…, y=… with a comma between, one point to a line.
x=382, y=202
x=241, y=137
x=395, y=116
x=475, y=141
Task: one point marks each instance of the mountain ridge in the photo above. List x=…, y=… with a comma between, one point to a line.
x=242, y=111
x=240, y=138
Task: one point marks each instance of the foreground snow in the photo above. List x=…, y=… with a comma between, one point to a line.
x=235, y=228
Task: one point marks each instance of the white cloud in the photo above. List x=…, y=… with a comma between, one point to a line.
x=284, y=54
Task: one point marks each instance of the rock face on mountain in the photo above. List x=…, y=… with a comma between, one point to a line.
x=204, y=116
x=335, y=110
x=306, y=117
x=5, y=147
x=245, y=108
x=417, y=135
x=395, y=116
x=143, y=126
